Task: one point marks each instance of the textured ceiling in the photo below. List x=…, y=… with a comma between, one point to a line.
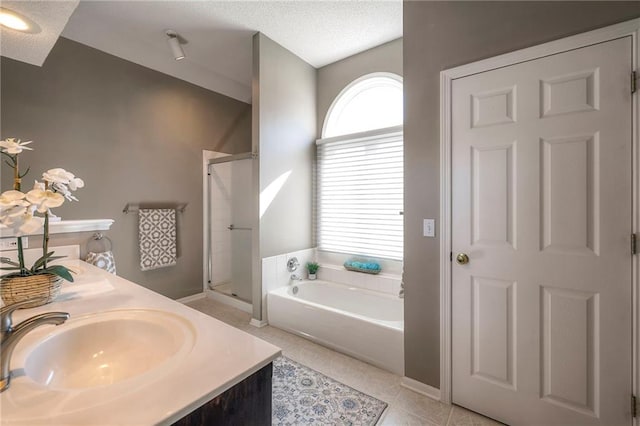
x=33, y=48
x=219, y=34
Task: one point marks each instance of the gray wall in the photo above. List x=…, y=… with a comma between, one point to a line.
x=437, y=36
x=284, y=111
x=335, y=77
x=133, y=134
x=287, y=109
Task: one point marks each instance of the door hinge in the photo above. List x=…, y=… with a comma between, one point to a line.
x=634, y=406
x=634, y=81
x=634, y=245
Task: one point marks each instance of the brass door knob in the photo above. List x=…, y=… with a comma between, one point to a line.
x=462, y=259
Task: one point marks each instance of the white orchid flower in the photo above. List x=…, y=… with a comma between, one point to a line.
x=44, y=199
x=63, y=189
x=13, y=207
x=13, y=146
x=76, y=183
x=11, y=198
x=12, y=204
x=26, y=224
x=13, y=212
x=58, y=175
x=9, y=216
x=63, y=182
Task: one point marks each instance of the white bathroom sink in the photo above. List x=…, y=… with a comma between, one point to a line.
x=110, y=347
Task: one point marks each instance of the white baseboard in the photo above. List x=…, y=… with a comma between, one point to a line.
x=229, y=300
x=421, y=388
x=192, y=298
x=257, y=323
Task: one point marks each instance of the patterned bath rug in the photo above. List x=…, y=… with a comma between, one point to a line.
x=302, y=396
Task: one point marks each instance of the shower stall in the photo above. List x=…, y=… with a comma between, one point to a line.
x=230, y=207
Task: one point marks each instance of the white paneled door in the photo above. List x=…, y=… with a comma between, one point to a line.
x=542, y=210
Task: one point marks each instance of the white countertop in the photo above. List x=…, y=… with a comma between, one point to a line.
x=221, y=357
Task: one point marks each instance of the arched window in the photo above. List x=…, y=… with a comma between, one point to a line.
x=373, y=101
x=359, y=176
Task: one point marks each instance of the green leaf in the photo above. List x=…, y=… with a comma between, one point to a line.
x=38, y=263
x=9, y=261
x=48, y=257
x=16, y=268
x=60, y=271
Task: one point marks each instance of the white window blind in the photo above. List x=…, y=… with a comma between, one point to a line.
x=360, y=194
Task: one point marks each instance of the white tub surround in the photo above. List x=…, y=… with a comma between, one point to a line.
x=365, y=324
x=276, y=275
x=220, y=357
x=382, y=282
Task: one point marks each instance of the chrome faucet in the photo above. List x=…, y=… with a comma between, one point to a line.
x=12, y=335
x=296, y=277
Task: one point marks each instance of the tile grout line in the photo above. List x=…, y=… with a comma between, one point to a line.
x=450, y=416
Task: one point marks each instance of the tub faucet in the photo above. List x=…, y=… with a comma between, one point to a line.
x=296, y=277
x=10, y=335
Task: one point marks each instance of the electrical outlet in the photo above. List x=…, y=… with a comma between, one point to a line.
x=429, y=228
x=12, y=243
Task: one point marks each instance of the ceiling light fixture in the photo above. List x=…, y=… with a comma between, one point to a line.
x=174, y=43
x=11, y=19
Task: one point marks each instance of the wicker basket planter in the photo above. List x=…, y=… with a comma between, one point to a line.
x=16, y=289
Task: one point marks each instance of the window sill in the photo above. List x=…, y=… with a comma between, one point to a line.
x=341, y=268
x=390, y=268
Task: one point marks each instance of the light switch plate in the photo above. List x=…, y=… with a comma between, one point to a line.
x=429, y=228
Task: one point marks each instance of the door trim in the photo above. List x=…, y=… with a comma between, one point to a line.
x=624, y=29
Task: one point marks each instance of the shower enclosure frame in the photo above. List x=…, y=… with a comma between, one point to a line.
x=210, y=158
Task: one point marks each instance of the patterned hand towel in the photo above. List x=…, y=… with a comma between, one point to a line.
x=157, y=235
x=103, y=260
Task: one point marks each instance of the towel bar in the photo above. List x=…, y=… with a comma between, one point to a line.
x=239, y=228
x=136, y=207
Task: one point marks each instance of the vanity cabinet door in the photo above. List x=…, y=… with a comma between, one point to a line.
x=247, y=403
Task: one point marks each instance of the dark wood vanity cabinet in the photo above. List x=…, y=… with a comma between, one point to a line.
x=247, y=403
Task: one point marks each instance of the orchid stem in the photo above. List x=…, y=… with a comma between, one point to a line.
x=21, y=256
x=16, y=174
x=45, y=238
x=16, y=186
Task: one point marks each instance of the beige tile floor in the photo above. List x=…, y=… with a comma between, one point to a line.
x=405, y=406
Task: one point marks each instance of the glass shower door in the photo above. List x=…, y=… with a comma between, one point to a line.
x=231, y=207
